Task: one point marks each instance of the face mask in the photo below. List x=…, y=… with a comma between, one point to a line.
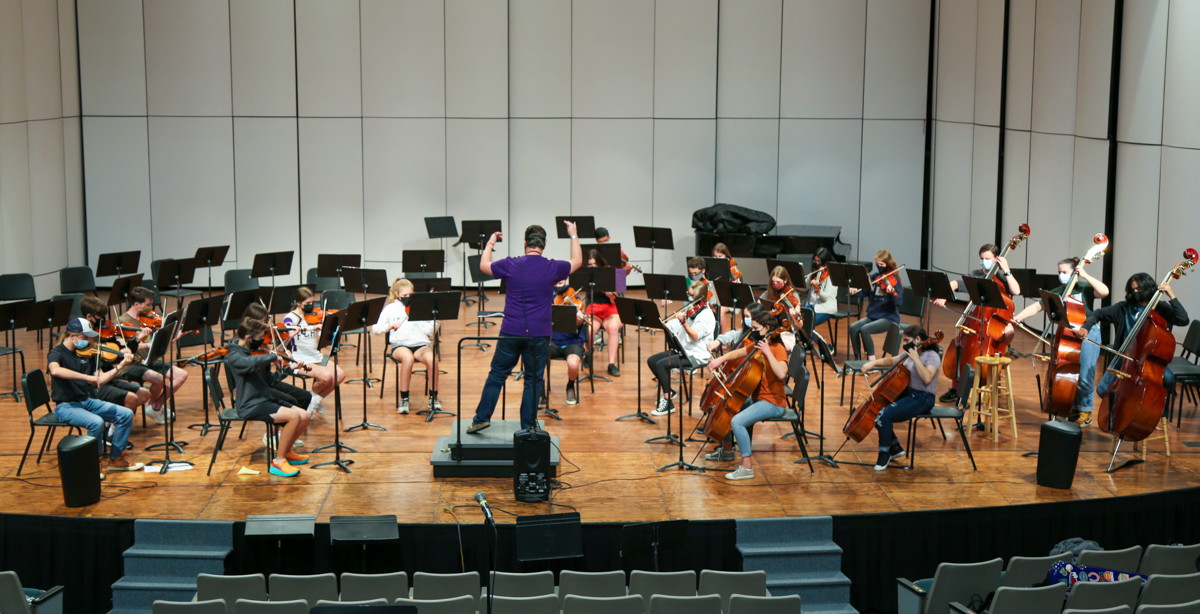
x=746, y=321
x=1063, y=278
x=309, y=307
x=910, y=345
x=81, y=344
x=1140, y=295
x=404, y=300
x=756, y=336
x=256, y=343
x=987, y=263
x=777, y=285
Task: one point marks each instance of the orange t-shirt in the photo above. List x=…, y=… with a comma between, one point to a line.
x=771, y=388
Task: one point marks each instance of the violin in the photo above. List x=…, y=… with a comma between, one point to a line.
x=317, y=316
x=94, y=348
x=729, y=394
x=820, y=274
x=889, y=281
x=734, y=271
x=1135, y=402
x=885, y=392
x=151, y=320
x=1062, y=373
x=788, y=299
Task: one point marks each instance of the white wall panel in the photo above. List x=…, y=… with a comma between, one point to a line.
x=404, y=175
x=539, y=58
x=1021, y=20
x=43, y=87
x=191, y=185
x=612, y=58
x=331, y=189
x=16, y=255
x=47, y=194
x=989, y=52
x=950, y=246
x=540, y=177
x=748, y=163
x=112, y=57
x=1178, y=218
x=68, y=58
x=685, y=159
x=1016, y=188
x=685, y=58
x=612, y=175
x=476, y=58
x=327, y=58
x=956, y=61
x=1050, y=186
x=897, y=59
x=403, y=58
x=477, y=180
x=263, y=46
x=819, y=174
x=892, y=184
x=1137, y=216
x=1095, y=68
x=984, y=162
x=824, y=44
x=267, y=191
x=187, y=57
x=1089, y=194
x=73, y=190
x=1181, y=126
x=1143, y=56
x=1055, y=66
x=117, y=165
x=12, y=63
x=748, y=49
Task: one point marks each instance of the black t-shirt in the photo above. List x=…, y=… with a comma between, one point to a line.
x=64, y=390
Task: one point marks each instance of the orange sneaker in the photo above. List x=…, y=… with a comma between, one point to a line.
x=296, y=459
x=122, y=463
x=282, y=469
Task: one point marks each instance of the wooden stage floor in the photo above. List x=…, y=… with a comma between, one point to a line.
x=615, y=479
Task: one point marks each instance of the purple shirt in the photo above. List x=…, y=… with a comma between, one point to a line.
x=530, y=280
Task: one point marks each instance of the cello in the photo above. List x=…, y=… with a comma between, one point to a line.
x=1135, y=401
x=988, y=340
x=733, y=392
x=886, y=390
x=1062, y=373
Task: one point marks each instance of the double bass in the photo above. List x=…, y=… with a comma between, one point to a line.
x=885, y=392
x=1062, y=373
x=1134, y=404
x=988, y=338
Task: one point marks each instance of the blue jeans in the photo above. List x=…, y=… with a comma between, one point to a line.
x=912, y=403
x=532, y=353
x=1106, y=382
x=92, y=414
x=821, y=318
x=756, y=412
x=1089, y=353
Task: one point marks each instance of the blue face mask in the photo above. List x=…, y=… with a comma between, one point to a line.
x=987, y=263
x=746, y=321
x=81, y=344
x=1064, y=278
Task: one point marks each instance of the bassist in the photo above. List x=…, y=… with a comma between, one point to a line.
x=917, y=399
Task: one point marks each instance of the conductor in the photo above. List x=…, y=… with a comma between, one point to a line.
x=525, y=332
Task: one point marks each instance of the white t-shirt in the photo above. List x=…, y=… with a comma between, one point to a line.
x=304, y=339
x=410, y=334
x=704, y=323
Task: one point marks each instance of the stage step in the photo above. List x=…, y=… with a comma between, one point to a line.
x=800, y=558
x=165, y=559
x=486, y=454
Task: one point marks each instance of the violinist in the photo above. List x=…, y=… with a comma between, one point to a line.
x=279, y=389
x=917, y=399
x=326, y=377
x=785, y=300
x=822, y=295
x=569, y=347
x=254, y=400
x=73, y=382
x=1122, y=315
x=160, y=375
x=769, y=397
x=604, y=314
x=885, y=297
x=720, y=250
x=119, y=391
x=694, y=329
x=698, y=271
x=1087, y=290
x=602, y=236
x=408, y=342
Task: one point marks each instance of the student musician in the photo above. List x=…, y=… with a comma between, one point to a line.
x=121, y=390
x=698, y=271
x=734, y=338
x=602, y=236
x=569, y=347
x=781, y=291
x=1139, y=289
x=160, y=375
x=604, y=315
x=326, y=377
x=408, y=342
x=73, y=381
x=883, y=308
x=822, y=294
x=720, y=250
x=251, y=376
x=279, y=389
x=694, y=332
x=917, y=399
x=769, y=396
x=1087, y=290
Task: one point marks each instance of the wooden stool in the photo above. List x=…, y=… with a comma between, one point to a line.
x=993, y=379
x=1164, y=426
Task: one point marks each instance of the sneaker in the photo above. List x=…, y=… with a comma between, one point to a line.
x=665, y=406
x=895, y=452
x=434, y=404
x=477, y=426
x=882, y=461
x=572, y=396
x=122, y=463
x=1085, y=418
x=614, y=371
x=741, y=473
x=950, y=396
x=274, y=445
x=403, y=408
x=720, y=455
x=157, y=416
x=282, y=469
x=296, y=459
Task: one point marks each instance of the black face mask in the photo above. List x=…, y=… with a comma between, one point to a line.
x=309, y=307
x=756, y=336
x=256, y=343
x=910, y=345
x=404, y=300
x=1141, y=295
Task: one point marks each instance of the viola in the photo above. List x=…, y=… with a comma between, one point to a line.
x=1135, y=402
x=151, y=320
x=987, y=339
x=212, y=355
x=734, y=391
x=317, y=316
x=885, y=392
x=1062, y=372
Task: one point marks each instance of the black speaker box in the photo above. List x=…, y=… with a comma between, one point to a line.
x=79, y=467
x=1058, y=454
x=531, y=465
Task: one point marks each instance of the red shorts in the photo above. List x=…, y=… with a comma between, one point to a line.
x=601, y=311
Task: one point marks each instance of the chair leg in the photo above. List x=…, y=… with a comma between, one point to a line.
x=966, y=444
x=222, y=430
x=32, y=432
x=45, y=443
x=912, y=442
x=383, y=378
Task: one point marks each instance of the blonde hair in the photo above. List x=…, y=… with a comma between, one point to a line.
x=702, y=286
x=886, y=257
x=398, y=286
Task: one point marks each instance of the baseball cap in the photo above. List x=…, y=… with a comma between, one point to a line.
x=80, y=325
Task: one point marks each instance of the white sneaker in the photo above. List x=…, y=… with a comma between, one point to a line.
x=741, y=473
x=157, y=416
x=719, y=456
x=299, y=443
x=664, y=408
x=435, y=405
x=320, y=405
x=403, y=408
x=112, y=428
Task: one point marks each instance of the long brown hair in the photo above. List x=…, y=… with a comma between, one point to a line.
x=594, y=254
x=887, y=259
x=723, y=249
x=781, y=273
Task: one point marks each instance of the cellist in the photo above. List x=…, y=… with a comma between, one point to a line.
x=917, y=399
x=1087, y=290
x=1122, y=315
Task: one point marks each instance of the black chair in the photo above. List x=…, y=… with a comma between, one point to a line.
x=913, y=305
x=852, y=369
x=947, y=412
x=33, y=384
x=387, y=357
x=226, y=416
x=799, y=377
x=321, y=285
x=76, y=280
x=176, y=293
x=1186, y=369
x=237, y=280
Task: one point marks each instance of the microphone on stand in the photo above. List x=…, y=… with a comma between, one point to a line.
x=481, y=499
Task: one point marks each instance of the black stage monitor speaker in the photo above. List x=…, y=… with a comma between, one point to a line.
x=79, y=467
x=1058, y=453
x=531, y=465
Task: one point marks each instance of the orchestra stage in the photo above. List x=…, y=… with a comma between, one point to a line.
x=610, y=471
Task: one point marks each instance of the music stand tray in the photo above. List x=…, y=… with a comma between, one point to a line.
x=365, y=281
x=661, y=287
x=422, y=261
x=794, y=269
x=653, y=237
x=331, y=265
x=431, y=284
x=441, y=227
x=984, y=292
x=652, y=537
x=121, y=287
x=717, y=269
x=271, y=265
x=848, y=275
x=118, y=263
x=175, y=273
x=281, y=299
x=585, y=225
x=1053, y=307
x=46, y=314
x=610, y=252
x=236, y=306
x=433, y=307
x=476, y=232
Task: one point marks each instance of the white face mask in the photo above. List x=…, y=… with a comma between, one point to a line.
x=1064, y=278
x=746, y=321
x=987, y=263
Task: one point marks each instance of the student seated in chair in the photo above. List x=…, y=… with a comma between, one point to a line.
x=569, y=347
x=408, y=342
x=917, y=399
x=123, y=389
x=280, y=389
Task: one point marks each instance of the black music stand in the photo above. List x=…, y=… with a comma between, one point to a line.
x=848, y=275
x=174, y=274
x=585, y=226
x=432, y=284
x=795, y=270
x=1053, y=307
x=160, y=346
x=46, y=314
x=653, y=238
x=642, y=314
x=478, y=277
x=984, y=292
x=435, y=307
x=331, y=337
x=423, y=261
x=120, y=289
x=200, y=316
x=281, y=300
x=677, y=348
x=474, y=234
x=610, y=252
x=735, y=296
x=562, y=321
x=236, y=303
x=331, y=265
x=596, y=279
x=640, y=537
x=364, y=317
x=271, y=265
x=665, y=288
x=209, y=257
x=365, y=281
x=118, y=263
x=931, y=285
x=13, y=316
x=717, y=269
x=441, y=228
